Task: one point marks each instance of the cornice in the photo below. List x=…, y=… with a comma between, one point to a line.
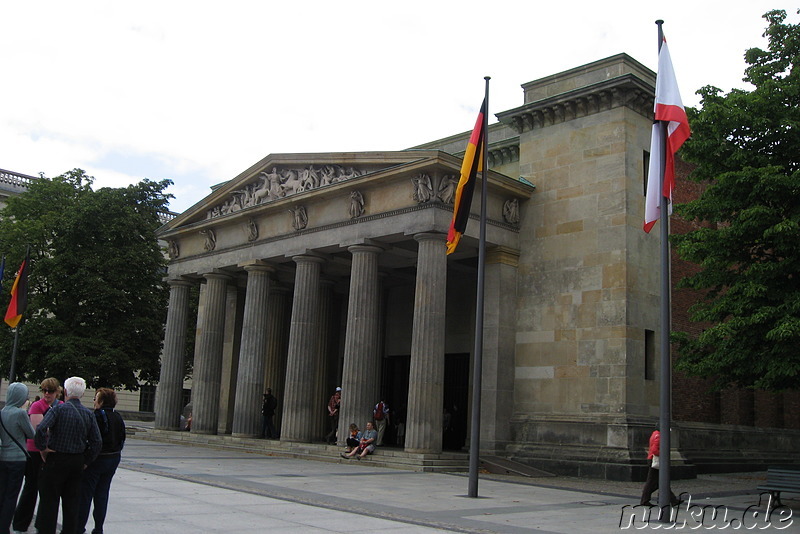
x=505, y=151
x=627, y=90
x=501, y=152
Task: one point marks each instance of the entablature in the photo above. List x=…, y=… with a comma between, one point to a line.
x=627, y=90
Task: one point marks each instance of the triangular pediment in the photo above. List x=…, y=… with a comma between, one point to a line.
x=281, y=176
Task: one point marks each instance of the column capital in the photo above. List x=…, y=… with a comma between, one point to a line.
x=257, y=266
x=179, y=282
x=365, y=248
x=217, y=274
x=307, y=258
x=430, y=236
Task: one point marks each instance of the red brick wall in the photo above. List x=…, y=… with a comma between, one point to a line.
x=692, y=400
x=737, y=407
x=791, y=410
x=768, y=409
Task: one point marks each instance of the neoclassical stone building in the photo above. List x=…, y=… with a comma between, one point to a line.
x=329, y=269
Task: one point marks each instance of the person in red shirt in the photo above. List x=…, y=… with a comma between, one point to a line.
x=651, y=484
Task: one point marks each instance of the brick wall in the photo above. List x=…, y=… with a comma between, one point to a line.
x=692, y=398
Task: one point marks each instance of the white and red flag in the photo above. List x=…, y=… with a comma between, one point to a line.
x=669, y=109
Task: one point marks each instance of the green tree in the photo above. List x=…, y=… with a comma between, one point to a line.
x=97, y=303
x=746, y=145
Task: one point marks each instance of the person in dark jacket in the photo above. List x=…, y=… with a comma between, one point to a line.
x=96, y=481
x=69, y=440
x=268, y=408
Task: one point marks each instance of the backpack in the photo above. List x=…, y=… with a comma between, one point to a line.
x=378, y=412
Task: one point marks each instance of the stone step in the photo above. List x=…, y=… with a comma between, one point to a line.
x=383, y=456
x=504, y=466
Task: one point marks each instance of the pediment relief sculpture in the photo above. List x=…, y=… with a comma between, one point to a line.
x=356, y=204
x=211, y=239
x=447, y=189
x=511, y=211
x=279, y=183
x=423, y=189
x=299, y=217
x=173, y=249
x=251, y=229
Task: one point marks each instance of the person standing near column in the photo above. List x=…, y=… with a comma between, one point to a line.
x=381, y=415
x=268, y=408
x=50, y=388
x=70, y=440
x=333, y=414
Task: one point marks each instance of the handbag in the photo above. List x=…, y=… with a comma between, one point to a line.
x=655, y=463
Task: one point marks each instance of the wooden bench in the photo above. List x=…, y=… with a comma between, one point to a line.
x=780, y=479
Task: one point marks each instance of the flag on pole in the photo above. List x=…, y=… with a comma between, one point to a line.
x=19, y=294
x=472, y=163
x=668, y=108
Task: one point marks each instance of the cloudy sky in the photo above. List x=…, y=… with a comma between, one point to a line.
x=197, y=91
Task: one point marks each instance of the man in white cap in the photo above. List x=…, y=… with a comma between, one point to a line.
x=333, y=414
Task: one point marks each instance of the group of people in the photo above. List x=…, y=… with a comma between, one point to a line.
x=69, y=457
x=359, y=443
x=378, y=425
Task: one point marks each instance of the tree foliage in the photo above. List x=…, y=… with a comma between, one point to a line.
x=746, y=145
x=97, y=303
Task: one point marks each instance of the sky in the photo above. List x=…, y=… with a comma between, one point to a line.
x=198, y=91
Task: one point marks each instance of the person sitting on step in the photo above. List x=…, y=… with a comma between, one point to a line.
x=366, y=444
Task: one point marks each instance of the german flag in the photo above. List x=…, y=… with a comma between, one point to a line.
x=19, y=294
x=473, y=162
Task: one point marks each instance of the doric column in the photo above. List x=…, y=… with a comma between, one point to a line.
x=500, y=312
x=360, y=373
x=170, y=384
x=299, y=409
x=277, y=340
x=250, y=378
x=208, y=356
x=234, y=310
x=426, y=375
x=322, y=383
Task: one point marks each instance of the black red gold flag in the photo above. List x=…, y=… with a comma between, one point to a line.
x=473, y=162
x=19, y=295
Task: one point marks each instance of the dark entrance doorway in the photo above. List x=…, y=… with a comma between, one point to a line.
x=394, y=386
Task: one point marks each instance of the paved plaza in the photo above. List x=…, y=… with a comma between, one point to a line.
x=176, y=488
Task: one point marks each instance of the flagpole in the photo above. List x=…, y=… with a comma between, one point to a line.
x=665, y=396
x=477, y=369
x=12, y=371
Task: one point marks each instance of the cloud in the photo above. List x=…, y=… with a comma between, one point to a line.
x=198, y=91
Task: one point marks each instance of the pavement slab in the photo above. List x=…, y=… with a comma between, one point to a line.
x=166, y=487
